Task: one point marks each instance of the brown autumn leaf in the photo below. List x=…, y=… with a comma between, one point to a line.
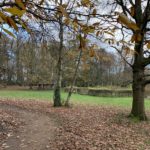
x=94, y=12
x=86, y=3
x=132, y=11
x=148, y=45
x=20, y=4
x=137, y=37
x=61, y=8
x=97, y=33
x=12, y=23
x=128, y=23
x=91, y=53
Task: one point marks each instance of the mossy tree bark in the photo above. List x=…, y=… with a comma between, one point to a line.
x=57, y=89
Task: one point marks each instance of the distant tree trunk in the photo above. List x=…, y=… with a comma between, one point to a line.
x=19, y=68
x=74, y=80
x=9, y=76
x=57, y=89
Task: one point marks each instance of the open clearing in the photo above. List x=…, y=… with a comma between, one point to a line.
x=36, y=125
x=124, y=102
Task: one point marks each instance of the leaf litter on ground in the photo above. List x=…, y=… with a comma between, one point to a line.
x=86, y=127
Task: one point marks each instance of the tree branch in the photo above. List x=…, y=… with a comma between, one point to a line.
x=122, y=56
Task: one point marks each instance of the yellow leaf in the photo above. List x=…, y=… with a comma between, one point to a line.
x=20, y=4
x=64, y=5
x=127, y=50
x=1, y=20
x=124, y=20
x=75, y=26
x=109, y=33
x=3, y=17
x=86, y=3
x=96, y=24
x=8, y=32
x=97, y=33
x=92, y=53
x=67, y=21
x=25, y=26
x=124, y=42
x=132, y=11
x=148, y=45
x=133, y=38
x=113, y=30
x=88, y=29
x=82, y=43
x=15, y=11
x=94, y=12
x=136, y=37
x=139, y=37
x=42, y=1
x=75, y=20
x=12, y=23
x=133, y=26
x=63, y=11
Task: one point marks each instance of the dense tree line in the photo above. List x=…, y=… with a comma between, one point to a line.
x=29, y=61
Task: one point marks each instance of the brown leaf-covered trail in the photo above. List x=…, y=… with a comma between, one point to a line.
x=35, y=131
x=38, y=126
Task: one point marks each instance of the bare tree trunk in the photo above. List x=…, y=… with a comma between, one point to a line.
x=138, y=108
x=57, y=89
x=19, y=68
x=138, y=85
x=74, y=79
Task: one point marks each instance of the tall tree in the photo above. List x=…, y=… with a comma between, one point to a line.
x=57, y=90
x=131, y=19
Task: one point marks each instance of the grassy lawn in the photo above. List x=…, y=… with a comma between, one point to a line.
x=76, y=98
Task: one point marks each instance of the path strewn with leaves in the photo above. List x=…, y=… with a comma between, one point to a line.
x=77, y=128
x=23, y=129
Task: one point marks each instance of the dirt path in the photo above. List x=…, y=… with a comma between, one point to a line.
x=36, y=132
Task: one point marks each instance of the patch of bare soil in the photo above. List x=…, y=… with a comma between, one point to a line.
x=77, y=128
x=22, y=129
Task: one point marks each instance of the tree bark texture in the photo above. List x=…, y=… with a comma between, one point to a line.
x=57, y=89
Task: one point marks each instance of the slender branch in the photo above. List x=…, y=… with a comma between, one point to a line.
x=131, y=2
x=124, y=7
x=146, y=15
x=122, y=56
x=74, y=78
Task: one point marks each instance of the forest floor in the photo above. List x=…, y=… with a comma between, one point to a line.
x=36, y=125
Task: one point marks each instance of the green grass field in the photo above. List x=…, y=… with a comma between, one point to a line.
x=76, y=98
